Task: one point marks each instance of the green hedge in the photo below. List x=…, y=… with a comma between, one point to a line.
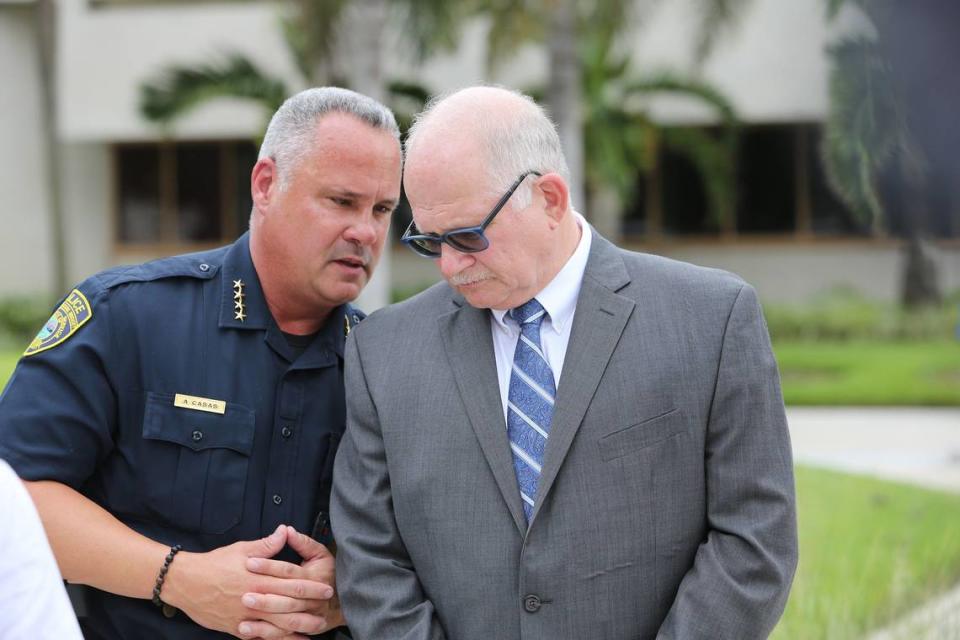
x=844, y=315
x=21, y=318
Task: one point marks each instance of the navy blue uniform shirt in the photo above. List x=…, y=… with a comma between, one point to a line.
x=178, y=405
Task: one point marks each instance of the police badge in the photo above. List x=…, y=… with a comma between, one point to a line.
x=72, y=313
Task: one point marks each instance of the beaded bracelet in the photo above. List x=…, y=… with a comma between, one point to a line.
x=168, y=611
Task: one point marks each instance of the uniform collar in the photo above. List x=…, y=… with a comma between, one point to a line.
x=239, y=274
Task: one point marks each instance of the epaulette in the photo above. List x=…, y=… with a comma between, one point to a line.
x=76, y=308
x=203, y=266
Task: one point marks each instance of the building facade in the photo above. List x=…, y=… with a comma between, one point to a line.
x=130, y=191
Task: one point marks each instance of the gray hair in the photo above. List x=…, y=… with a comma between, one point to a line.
x=516, y=141
x=288, y=136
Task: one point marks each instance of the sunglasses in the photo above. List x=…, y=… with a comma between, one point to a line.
x=464, y=239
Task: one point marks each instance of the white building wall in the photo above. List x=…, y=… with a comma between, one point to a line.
x=106, y=52
x=771, y=63
x=25, y=239
x=86, y=171
x=772, y=66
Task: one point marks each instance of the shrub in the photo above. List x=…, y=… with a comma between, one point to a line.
x=845, y=315
x=21, y=317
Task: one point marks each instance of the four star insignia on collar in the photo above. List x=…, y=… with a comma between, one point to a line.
x=238, y=296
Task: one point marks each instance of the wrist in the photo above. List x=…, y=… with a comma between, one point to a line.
x=176, y=584
x=167, y=609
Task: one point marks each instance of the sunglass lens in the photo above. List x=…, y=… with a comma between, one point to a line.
x=426, y=246
x=468, y=241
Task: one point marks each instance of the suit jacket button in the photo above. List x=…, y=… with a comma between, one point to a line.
x=531, y=603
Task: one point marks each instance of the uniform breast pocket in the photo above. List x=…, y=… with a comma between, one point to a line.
x=645, y=433
x=195, y=463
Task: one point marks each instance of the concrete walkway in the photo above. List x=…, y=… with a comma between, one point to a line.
x=914, y=445
x=936, y=620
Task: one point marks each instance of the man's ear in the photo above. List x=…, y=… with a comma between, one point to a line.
x=556, y=195
x=264, y=182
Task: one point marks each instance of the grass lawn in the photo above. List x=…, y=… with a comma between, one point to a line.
x=869, y=551
x=8, y=360
x=870, y=373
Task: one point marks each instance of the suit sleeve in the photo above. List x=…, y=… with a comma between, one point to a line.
x=741, y=576
x=379, y=590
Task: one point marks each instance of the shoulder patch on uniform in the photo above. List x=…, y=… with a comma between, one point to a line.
x=72, y=314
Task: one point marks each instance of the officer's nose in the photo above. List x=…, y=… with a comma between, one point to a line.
x=452, y=262
x=362, y=232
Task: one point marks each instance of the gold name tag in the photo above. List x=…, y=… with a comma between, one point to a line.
x=200, y=404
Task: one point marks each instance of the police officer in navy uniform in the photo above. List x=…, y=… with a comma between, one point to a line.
x=175, y=422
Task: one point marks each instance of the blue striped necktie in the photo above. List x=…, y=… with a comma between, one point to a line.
x=530, y=402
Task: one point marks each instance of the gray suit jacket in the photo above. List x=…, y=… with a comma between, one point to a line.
x=665, y=508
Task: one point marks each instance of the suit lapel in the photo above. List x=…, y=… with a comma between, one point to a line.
x=599, y=321
x=469, y=346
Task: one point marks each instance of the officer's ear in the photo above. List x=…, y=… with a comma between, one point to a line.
x=263, y=182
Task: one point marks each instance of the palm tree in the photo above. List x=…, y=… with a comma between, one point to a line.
x=45, y=24
x=622, y=137
x=311, y=32
x=582, y=33
x=867, y=137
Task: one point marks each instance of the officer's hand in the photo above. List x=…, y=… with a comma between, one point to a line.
x=278, y=610
x=208, y=587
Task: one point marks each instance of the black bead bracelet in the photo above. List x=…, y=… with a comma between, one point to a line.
x=168, y=611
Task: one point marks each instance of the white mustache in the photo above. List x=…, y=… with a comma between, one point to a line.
x=462, y=278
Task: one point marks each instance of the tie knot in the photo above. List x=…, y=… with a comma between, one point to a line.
x=530, y=311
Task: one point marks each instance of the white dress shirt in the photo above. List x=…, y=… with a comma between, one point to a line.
x=559, y=299
x=33, y=602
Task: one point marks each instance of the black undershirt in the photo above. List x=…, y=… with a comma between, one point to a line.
x=299, y=344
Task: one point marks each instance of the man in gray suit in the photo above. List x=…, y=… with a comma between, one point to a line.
x=565, y=439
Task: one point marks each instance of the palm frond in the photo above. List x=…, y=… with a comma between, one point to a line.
x=700, y=91
x=716, y=17
x=670, y=83
x=715, y=165
x=179, y=89
x=512, y=25
x=311, y=29
x=865, y=127
x=406, y=100
x=433, y=24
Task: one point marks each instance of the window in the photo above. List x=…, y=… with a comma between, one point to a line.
x=766, y=180
x=183, y=193
x=781, y=189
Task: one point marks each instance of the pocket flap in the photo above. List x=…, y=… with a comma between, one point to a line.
x=198, y=430
x=641, y=435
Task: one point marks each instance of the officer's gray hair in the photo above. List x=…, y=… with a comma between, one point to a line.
x=288, y=136
x=516, y=141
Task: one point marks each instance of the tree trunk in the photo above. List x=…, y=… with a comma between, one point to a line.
x=360, y=46
x=564, y=92
x=363, y=27
x=45, y=18
x=605, y=212
x=920, y=279
x=921, y=285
